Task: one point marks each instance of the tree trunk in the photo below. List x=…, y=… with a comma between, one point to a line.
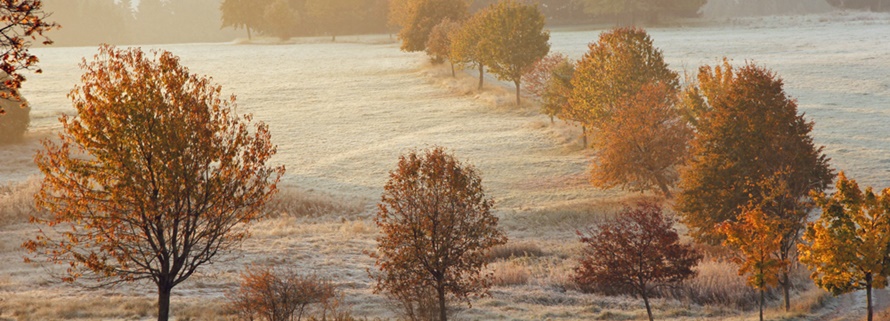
x=334, y=37
x=443, y=316
x=646, y=301
x=786, y=290
x=249, y=38
x=480, y=76
x=453, y=75
x=868, y=280
x=164, y=301
x=761, y=304
x=665, y=189
x=584, y=135
x=517, y=92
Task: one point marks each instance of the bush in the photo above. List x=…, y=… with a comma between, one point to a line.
x=266, y=294
x=15, y=121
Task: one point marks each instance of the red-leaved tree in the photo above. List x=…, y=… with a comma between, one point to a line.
x=637, y=252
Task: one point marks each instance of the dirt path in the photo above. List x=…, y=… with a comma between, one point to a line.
x=852, y=307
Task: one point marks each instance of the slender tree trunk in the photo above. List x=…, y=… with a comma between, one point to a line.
x=646, y=301
x=584, y=135
x=665, y=189
x=517, y=92
x=786, y=289
x=868, y=280
x=761, y=304
x=443, y=316
x=480, y=76
x=334, y=37
x=164, y=301
x=453, y=75
x=551, y=119
x=249, y=38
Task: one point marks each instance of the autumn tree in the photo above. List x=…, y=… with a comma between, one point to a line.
x=247, y=14
x=757, y=236
x=466, y=44
x=513, y=40
x=280, y=19
x=439, y=45
x=535, y=79
x=416, y=18
x=644, y=143
x=614, y=69
x=21, y=21
x=847, y=247
x=280, y=295
x=152, y=178
x=747, y=129
x=638, y=251
x=436, y=226
x=334, y=16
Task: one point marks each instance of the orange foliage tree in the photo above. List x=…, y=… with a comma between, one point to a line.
x=758, y=238
x=439, y=45
x=746, y=130
x=153, y=178
x=644, y=143
x=418, y=17
x=436, y=227
x=614, y=69
x=638, y=251
x=847, y=247
x=21, y=21
x=465, y=44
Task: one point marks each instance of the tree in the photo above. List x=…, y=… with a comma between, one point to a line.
x=638, y=251
x=514, y=40
x=747, y=130
x=418, y=17
x=247, y=14
x=643, y=145
x=21, y=21
x=535, y=79
x=466, y=44
x=436, y=227
x=614, y=69
x=758, y=239
x=334, y=16
x=439, y=45
x=153, y=178
x=280, y=20
x=847, y=247
x=647, y=9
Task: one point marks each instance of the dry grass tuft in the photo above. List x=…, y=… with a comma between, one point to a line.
x=299, y=203
x=17, y=201
x=513, y=250
x=509, y=273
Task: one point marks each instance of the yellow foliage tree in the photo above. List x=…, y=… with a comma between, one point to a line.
x=758, y=239
x=846, y=248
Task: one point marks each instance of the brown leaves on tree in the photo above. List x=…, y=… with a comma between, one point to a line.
x=643, y=145
x=21, y=21
x=153, y=178
x=636, y=252
x=436, y=226
x=416, y=18
x=746, y=130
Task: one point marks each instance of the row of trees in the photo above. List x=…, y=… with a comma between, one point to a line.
x=747, y=170
x=506, y=37
x=290, y=18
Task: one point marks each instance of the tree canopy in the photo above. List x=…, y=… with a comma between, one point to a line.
x=21, y=21
x=636, y=252
x=154, y=176
x=847, y=247
x=436, y=226
x=747, y=129
x=514, y=39
x=416, y=18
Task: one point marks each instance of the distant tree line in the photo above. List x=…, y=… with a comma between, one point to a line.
x=873, y=5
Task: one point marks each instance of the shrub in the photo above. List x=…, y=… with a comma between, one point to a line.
x=266, y=294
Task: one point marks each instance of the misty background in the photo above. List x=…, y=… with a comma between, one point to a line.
x=123, y=22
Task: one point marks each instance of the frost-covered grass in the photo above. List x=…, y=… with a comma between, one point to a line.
x=341, y=113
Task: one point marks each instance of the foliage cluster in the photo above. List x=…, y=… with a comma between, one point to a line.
x=289, y=18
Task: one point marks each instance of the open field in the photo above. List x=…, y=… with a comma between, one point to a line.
x=341, y=113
